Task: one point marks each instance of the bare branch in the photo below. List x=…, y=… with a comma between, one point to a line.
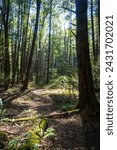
x=73, y=24
x=69, y=9
x=73, y=33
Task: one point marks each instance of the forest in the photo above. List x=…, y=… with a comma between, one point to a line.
x=49, y=74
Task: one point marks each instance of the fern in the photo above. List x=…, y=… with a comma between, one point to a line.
x=32, y=139
x=50, y=132
x=13, y=144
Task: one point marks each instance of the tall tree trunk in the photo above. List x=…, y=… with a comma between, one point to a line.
x=32, y=47
x=19, y=28
x=37, y=67
x=93, y=36
x=21, y=43
x=1, y=49
x=39, y=55
x=14, y=63
x=49, y=45
x=5, y=17
x=98, y=34
x=86, y=90
x=25, y=36
x=70, y=37
x=65, y=45
x=98, y=1
x=70, y=50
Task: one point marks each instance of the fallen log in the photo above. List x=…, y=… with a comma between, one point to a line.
x=18, y=119
x=63, y=113
x=67, y=113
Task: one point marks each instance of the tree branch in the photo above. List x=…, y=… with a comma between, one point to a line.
x=73, y=24
x=73, y=33
x=69, y=9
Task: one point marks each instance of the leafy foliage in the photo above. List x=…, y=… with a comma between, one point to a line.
x=64, y=82
x=65, y=101
x=32, y=139
x=60, y=82
x=49, y=132
x=69, y=106
x=13, y=144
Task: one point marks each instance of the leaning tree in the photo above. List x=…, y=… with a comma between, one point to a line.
x=32, y=47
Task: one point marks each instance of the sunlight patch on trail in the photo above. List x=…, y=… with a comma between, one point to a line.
x=47, y=91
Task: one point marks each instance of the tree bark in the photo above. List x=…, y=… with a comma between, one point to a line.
x=93, y=36
x=5, y=17
x=86, y=90
x=25, y=35
x=32, y=47
x=49, y=45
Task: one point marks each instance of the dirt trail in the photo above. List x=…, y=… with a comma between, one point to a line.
x=72, y=132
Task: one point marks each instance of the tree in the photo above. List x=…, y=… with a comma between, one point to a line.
x=5, y=17
x=93, y=36
x=25, y=84
x=86, y=90
x=49, y=45
x=42, y=52
x=98, y=29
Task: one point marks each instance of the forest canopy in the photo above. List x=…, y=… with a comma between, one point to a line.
x=54, y=53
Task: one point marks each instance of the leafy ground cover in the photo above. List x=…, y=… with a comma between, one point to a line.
x=73, y=132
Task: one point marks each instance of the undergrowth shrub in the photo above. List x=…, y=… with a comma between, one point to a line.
x=64, y=82
x=31, y=140
x=64, y=101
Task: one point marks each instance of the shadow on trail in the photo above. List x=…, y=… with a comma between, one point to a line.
x=13, y=110
x=91, y=130
x=73, y=133
x=63, y=101
x=11, y=97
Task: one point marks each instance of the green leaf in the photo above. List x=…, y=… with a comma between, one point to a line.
x=36, y=147
x=50, y=134
x=13, y=144
x=50, y=130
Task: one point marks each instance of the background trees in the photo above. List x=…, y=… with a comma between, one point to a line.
x=5, y=8
x=66, y=33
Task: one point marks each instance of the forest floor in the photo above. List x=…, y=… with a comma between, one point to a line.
x=72, y=131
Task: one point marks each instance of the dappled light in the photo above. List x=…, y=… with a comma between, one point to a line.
x=49, y=75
